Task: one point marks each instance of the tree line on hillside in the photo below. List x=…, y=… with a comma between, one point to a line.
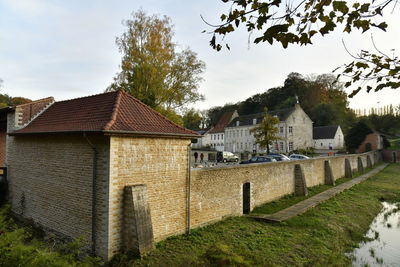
x=9, y=101
x=323, y=99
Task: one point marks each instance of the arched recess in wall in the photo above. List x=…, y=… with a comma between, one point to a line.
x=246, y=198
x=368, y=147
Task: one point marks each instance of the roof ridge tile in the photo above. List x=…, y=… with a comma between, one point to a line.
x=114, y=111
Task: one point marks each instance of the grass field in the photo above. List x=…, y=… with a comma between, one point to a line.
x=319, y=237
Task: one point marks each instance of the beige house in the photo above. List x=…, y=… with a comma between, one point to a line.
x=294, y=129
x=106, y=168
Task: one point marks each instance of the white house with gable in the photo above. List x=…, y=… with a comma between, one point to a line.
x=328, y=137
x=295, y=131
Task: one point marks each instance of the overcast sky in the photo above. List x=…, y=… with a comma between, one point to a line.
x=66, y=49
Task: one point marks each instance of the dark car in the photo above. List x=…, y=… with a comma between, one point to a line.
x=278, y=157
x=258, y=159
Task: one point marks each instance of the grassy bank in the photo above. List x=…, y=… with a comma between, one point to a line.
x=319, y=237
x=25, y=246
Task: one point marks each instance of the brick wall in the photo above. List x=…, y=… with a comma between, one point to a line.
x=217, y=192
x=51, y=182
x=391, y=155
x=374, y=139
x=160, y=164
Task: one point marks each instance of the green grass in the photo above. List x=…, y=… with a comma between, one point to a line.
x=19, y=246
x=290, y=200
x=319, y=237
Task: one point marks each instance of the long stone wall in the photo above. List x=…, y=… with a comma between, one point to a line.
x=217, y=192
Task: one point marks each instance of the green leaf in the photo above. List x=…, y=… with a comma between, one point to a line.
x=340, y=6
x=362, y=65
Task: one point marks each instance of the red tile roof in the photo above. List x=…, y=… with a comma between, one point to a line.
x=222, y=122
x=113, y=112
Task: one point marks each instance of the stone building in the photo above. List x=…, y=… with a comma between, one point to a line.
x=328, y=137
x=373, y=141
x=106, y=168
x=216, y=135
x=294, y=129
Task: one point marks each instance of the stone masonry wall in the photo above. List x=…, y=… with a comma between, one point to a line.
x=160, y=164
x=51, y=182
x=217, y=192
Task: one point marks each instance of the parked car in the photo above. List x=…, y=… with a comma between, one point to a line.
x=298, y=157
x=226, y=156
x=258, y=159
x=279, y=157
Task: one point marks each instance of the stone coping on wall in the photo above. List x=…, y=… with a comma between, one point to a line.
x=222, y=166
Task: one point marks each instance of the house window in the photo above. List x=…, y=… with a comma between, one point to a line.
x=281, y=130
x=241, y=133
x=241, y=145
x=237, y=123
x=254, y=121
x=290, y=129
x=222, y=136
x=290, y=146
x=321, y=144
x=281, y=146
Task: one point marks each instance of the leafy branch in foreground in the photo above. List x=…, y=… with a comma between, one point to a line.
x=379, y=68
x=297, y=22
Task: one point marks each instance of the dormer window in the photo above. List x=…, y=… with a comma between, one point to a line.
x=254, y=121
x=237, y=123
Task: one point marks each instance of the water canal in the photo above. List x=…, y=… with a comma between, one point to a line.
x=382, y=247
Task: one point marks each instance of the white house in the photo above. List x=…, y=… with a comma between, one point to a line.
x=216, y=135
x=328, y=137
x=295, y=131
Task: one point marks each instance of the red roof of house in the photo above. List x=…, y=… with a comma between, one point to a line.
x=222, y=122
x=109, y=112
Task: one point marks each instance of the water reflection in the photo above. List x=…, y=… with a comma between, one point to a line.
x=383, y=247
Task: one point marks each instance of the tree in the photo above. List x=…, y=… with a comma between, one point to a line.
x=215, y=113
x=299, y=22
x=356, y=135
x=324, y=114
x=192, y=119
x=267, y=131
x=152, y=68
x=8, y=101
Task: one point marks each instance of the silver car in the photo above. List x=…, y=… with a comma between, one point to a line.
x=298, y=157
